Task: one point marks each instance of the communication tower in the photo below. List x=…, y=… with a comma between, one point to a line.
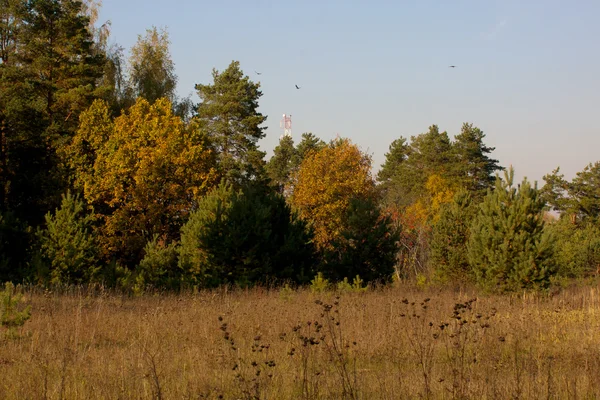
x=286, y=125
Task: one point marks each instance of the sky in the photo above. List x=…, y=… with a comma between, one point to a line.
x=527, y=72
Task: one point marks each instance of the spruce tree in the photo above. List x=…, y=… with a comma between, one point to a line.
x=509, y=248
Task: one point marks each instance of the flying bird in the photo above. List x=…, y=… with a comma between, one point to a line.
x=258, y=73
x=452, y=66
x=297, y=87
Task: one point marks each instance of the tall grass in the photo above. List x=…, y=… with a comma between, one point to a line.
x=393, y=343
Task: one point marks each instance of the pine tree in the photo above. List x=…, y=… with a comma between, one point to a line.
x=580, y=197
x=407, y=168
x=450, y=236
x=228, y=114
x=67, y=243
x=474, y=169
x=44, y=86
x=279, y=167
x=509, y=248
x=366, y=247
x=253, y=236
x=397, y=154
x=308, y=145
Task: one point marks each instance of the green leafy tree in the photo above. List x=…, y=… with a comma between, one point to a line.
x=152, y=71
x=67, y=243
x=228, y=114
x=450, y=236
x=509, y=248
x=577, y=248
x=366, y=247
x=474, y=169
x=253, y=238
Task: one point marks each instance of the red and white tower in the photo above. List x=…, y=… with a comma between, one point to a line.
x=286, y=125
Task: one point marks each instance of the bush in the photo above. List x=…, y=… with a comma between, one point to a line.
x=577, y=247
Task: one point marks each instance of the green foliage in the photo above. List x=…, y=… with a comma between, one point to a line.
x=44, y=86
x=449, y=239
x=580, y=197
x=159, y=267
x=429, y=153
x=193, y=254
x=462, y=163
x=367, y=246
x=356, y=286
x=398, y=153
x=152, y=71
x=12, y=314
x=577, y=249
x=509, y=248
x=279, y=167
x=251, y=236
x=319, y=283
x=228, y=114
x=67, y=243
x=286, y=160
x=308, y=145
x=473, y=169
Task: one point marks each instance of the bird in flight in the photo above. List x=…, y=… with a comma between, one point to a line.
x=297, y=87
x=258, y=73
x=452, y=66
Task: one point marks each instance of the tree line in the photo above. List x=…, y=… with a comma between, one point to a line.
x=107, y=176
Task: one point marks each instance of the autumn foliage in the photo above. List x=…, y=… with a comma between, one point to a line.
x=326, y=183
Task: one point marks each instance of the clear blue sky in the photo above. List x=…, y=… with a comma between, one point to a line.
x=527, y=71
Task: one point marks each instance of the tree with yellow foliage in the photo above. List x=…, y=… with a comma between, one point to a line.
x=142, y=174
x=325, y=184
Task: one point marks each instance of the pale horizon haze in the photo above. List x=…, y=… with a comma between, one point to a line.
x=526, y=71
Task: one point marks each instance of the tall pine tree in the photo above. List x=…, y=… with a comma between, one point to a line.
x=228, y=114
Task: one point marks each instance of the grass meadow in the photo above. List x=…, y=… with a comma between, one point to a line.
x=391, y=343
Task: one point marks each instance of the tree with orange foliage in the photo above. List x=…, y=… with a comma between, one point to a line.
x=142, y=173
x=325, y=184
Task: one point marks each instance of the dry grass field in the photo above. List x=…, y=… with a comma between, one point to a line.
x=394, y=343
